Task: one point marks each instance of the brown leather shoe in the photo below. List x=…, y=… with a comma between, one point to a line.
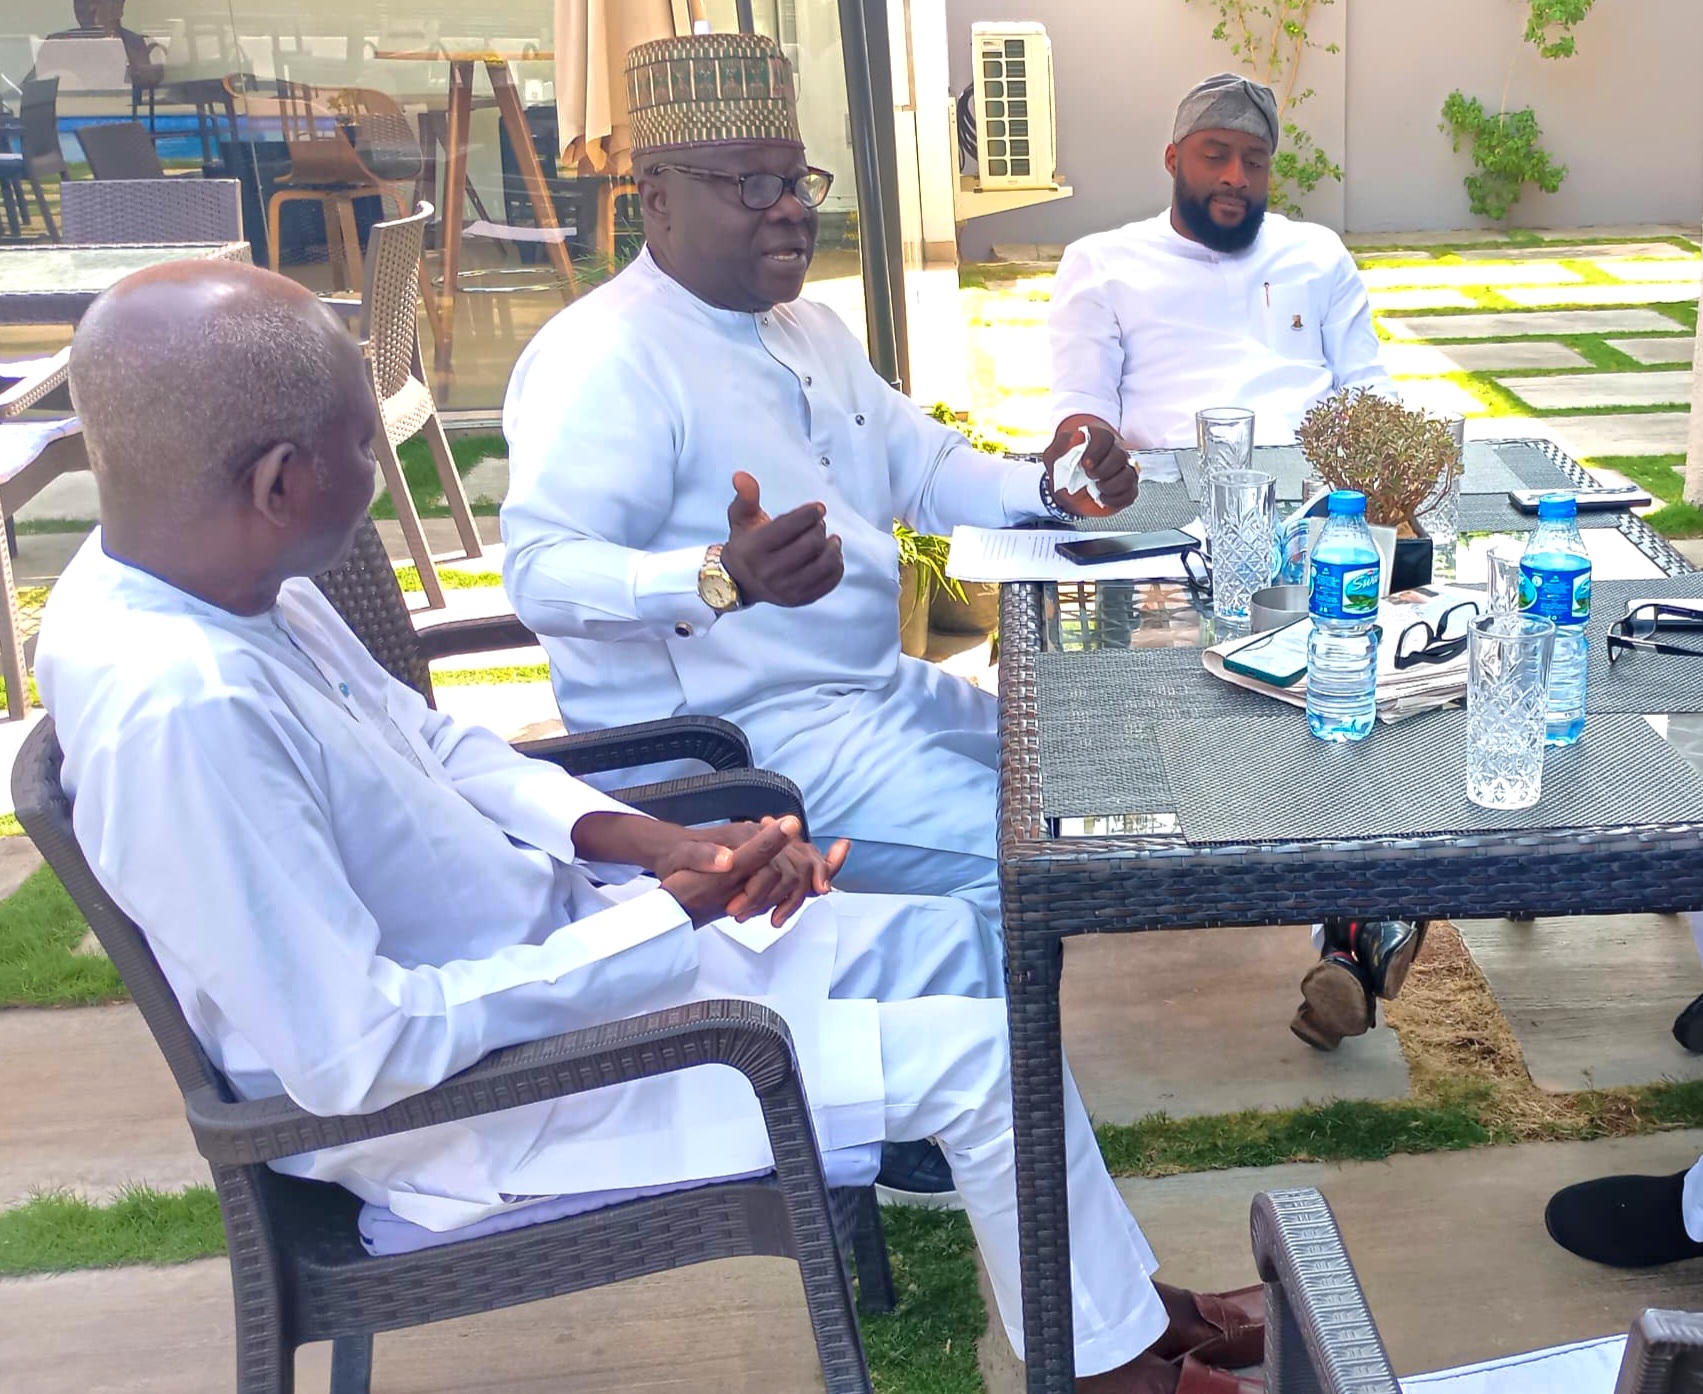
x=1196, y=1378
x=1239, y=1318
x=1335, y=1002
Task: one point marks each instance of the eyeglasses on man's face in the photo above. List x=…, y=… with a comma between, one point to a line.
x=762, y=191
x=1639, y=629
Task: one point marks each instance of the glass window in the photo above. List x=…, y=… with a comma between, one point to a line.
x=335, y=114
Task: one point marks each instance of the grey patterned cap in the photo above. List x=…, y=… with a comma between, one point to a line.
x=1229, y=102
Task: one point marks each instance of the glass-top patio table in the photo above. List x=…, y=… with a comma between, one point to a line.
x=55, y=282
x=1138, y=792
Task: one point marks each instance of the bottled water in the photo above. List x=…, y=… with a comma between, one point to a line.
x=1555, y=582
x=1342, y=650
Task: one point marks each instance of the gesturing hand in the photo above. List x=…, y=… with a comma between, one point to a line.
x=1106, y=462
x=790, y=560
x=705, y=877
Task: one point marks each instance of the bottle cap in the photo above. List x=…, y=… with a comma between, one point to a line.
x=1557, y=508
x=1347, y=503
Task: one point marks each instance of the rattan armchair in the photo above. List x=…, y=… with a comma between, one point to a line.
x=1320, y=1337
x=117, y=211
x=298, y=1269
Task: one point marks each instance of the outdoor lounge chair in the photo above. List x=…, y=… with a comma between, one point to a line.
x=388, y=312
x=299, y=1271
x=1320, y=1337
x=365, y=592
x=118, y=211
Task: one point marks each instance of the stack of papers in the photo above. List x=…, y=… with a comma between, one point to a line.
x=1402, y=692
x=1022, y=554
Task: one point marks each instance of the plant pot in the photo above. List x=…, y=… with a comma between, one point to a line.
x=913, y=612
x=976, y=613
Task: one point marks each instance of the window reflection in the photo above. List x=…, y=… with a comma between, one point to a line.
x=335, y=114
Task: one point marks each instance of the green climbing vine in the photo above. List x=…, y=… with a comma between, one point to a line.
x=1550, y=24
x=1271, y=39
x=1507, y=153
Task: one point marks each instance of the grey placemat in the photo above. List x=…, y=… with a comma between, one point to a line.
x=1641, y=681
x=1242, y=779
x=1107, y=701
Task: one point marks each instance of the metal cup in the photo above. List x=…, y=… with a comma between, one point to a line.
x=1276, y=606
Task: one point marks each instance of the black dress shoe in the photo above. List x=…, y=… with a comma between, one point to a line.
x=1688, y=1027
x=1623, y=1221
x=1336, y=1001
x=1384, y=949
x=916, y=1173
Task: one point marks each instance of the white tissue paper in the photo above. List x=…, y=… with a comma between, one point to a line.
x=1068, y=475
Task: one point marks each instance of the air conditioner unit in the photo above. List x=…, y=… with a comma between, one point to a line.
x=1016, y=144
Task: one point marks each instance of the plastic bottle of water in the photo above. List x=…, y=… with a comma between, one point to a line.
x=1342, y=650
x=1555, y=582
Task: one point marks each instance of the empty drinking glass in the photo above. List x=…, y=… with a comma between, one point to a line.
x=1440, y=514
x=1502, y=565
x=1225, y=436
x=1243, y=514
x=1507, y=700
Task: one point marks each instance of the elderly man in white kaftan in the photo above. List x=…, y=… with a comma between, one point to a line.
x=628, y=418
x=353, y=896
x=1215, y=302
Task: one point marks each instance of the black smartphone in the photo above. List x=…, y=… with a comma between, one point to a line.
x=1121, y=546
x=1602, y=499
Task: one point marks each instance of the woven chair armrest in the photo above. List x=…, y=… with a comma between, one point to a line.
x=719, y=744
x=1659, y=1342
x=745, y=1035
x=482, y=635
x=1320, y=1337
x=26, y=392
x=732, y=796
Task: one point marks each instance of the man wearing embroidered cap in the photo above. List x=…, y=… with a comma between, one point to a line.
x=704, y=475
x=705, y=471
x=1215, y=302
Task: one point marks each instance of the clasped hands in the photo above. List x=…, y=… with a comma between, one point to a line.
x=738, y=870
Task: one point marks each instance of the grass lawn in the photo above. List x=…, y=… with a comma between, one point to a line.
x=39, y=930
x=422, y=474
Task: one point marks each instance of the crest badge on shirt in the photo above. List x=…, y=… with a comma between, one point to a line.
x=1296, y=323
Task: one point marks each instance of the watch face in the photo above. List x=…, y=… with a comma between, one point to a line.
x=719, y=592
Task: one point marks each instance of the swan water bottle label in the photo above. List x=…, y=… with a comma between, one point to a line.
x=1561, y=596
x=1344, y=590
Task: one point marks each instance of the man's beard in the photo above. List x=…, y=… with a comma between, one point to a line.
x=1197, y=218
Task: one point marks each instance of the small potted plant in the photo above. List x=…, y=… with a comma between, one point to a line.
x=972, y=607
x=922, y=573
x=1397, y=456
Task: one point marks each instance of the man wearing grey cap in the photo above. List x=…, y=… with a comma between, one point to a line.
x=1215, y=302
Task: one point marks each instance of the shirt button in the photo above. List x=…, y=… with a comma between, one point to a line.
x=808, y=379
x=682, y=630
x=343, y=687
x=823, y=462
x=859, y=420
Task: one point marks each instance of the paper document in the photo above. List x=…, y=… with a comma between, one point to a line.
x=1018, y=554
x=1420, y=687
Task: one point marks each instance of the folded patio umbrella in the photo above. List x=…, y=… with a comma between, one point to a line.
x=592, y=41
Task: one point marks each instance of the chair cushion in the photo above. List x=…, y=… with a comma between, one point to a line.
x=22, y=441
x=1587, y=1367
x=383, y=1232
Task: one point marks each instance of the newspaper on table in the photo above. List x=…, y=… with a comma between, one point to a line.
x=1031, y=554
x=1402, y=692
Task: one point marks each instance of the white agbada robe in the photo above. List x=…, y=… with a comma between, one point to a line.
x=1148, y=328
x=626, y=419
x=353, y=897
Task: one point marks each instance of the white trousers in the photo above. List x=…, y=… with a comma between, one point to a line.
x=946, y=1064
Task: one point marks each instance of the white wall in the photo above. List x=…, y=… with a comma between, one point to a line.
x=1625, y=114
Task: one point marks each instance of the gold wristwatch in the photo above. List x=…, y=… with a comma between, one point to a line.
x=716, y=588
